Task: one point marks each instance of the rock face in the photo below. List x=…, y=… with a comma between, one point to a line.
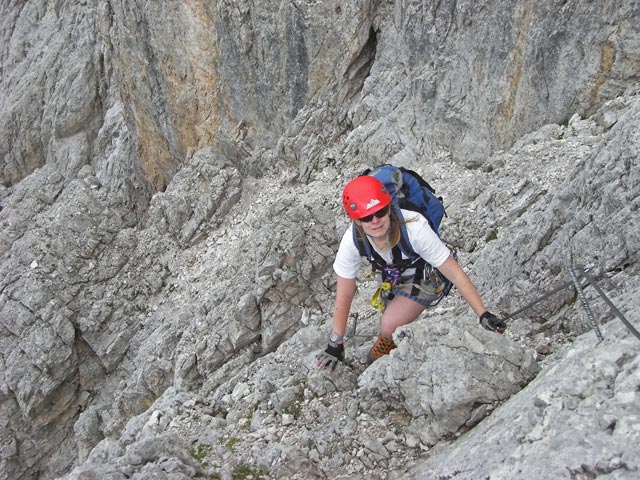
x=581, y=410
x=446, y=378
x=169, y=212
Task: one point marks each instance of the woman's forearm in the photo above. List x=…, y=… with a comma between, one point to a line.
x=345, y=291
x=454, y=272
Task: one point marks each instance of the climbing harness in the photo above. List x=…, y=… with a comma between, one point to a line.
x=438, y=285
x=428, y=286
x=389, y=288
x=391, y=275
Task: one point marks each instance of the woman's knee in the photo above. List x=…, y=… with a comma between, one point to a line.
x=394, y=318
x=389, y=325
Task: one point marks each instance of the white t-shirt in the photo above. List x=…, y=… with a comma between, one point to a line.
x=423, y=239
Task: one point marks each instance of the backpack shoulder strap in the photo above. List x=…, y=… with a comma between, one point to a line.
x=405, y=244
x=361, y=244
x=366, y=250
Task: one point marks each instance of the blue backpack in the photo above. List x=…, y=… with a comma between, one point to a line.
x=409, y=191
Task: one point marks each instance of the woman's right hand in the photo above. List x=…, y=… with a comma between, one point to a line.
x=333, y=354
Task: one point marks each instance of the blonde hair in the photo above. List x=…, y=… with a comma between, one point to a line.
x=393, y=235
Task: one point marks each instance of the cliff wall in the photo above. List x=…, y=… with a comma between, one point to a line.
x=169, y=208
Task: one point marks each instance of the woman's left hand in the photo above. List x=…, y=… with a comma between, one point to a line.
x=489, y=321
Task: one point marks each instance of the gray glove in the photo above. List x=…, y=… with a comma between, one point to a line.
x=489, y=321
x=333, y=354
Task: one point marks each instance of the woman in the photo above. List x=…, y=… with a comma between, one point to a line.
x=368, y=204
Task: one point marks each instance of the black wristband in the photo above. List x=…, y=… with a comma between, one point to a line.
x=335, y=349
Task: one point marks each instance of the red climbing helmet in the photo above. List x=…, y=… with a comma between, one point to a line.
x=363, y=196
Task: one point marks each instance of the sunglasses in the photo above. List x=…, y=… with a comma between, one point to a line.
x=379, y=214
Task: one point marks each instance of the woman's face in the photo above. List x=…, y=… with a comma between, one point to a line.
x=377, y=227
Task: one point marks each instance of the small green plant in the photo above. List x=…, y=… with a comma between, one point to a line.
x=493, y=235
x=294, y=408
x=242, y=472
x=231, y=443
x=200, y=452
x=249, y=417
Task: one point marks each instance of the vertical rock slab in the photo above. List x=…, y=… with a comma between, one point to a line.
x=446, y=377
x=580, y=418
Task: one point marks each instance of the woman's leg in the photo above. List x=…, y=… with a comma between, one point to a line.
x=399, y=311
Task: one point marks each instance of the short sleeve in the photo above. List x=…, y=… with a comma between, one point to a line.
x=424, y=240
x=348, y=260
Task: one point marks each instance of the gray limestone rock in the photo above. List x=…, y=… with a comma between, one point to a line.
x=578, y=418
x=445, y=377
x=170, y=180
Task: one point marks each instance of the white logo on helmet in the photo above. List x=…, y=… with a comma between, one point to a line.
x=372, y=203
